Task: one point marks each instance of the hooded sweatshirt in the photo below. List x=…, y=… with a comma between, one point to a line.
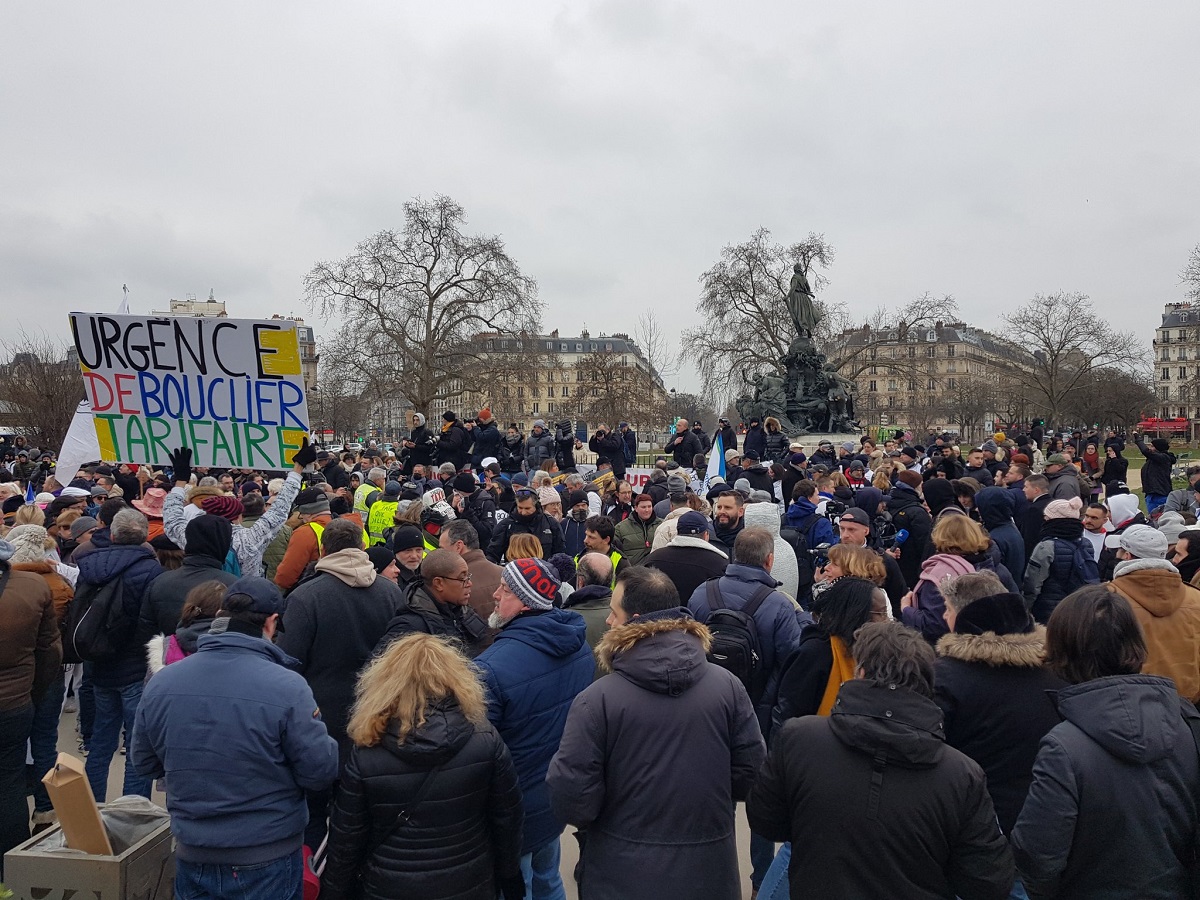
x=995, y=505
x=1168, y=610
x=785, y=569
x=332, y=624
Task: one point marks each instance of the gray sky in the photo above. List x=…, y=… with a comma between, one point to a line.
x=989, y=151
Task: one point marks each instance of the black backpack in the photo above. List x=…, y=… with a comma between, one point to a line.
x=96, y=627
x=1084, y=569
x=735, y=645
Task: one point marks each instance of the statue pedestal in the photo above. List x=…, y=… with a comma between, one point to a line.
x=811, y=440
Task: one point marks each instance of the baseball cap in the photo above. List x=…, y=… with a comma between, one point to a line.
x=263, y=594
x=1140, y=541
x=691, y=523
x=752, y=454
x=854, y=514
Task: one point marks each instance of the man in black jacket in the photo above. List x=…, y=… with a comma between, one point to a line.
x=454, y=444
x=527, y=518
x=727, y=434
x=880, y=758
x=908, y=512
x=684, y=445
x=487, y=439
x=332, y=470
x=209, y=538
x=1037, y=492
x=609, y=445
x=439, y=604
x=698, y=431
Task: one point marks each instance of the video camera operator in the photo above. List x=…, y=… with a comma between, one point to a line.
x=566, y=444
x=854, y=529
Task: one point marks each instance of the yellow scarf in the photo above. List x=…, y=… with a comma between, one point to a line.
x=842, y=670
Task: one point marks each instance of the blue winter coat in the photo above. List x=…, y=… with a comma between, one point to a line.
x=996, y=507
x=240, y=739
x=137, y=565
x=487, y=443
x=821, y=530
x=538, y=663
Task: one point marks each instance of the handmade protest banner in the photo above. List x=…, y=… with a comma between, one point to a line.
x=231, y=389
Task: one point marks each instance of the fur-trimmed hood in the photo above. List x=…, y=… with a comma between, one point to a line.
x=1023, y=651
x=663, y=652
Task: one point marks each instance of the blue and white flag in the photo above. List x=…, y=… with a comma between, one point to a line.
x=716, y=462
x=30, y=494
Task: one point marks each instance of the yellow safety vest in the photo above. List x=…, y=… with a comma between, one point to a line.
x=361, y=494
x=381, y=517
x=614, y=555
x=319, y=529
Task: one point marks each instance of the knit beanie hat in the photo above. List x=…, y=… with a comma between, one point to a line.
x=1063, y=509
x=574, y=498
x=29, y=543
x=224, y=506
x=381, y=557
x=533, y=581
x=312, y=502
x=449, y=416
x=548, y=495
x=465, y=483
x=406, y=537
x=1162, y=445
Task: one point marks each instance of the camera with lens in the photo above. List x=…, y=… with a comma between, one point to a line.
x=820, y=554
x=834, y=510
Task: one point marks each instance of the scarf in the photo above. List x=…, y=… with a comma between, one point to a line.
x=842, y=670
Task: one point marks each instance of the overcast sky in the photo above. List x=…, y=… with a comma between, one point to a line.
x=989, y=151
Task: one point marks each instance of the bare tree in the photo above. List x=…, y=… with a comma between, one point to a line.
x=1112, y=397
x=428, y=312
x=852, y=350
x=742, y=301
x=1067, y=341
x=611, y=392
x=338, y=404
x=653, y=340
x=1189, y=276
x=42, y=387
x=966, y=402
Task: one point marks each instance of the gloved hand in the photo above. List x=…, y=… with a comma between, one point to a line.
x=181, y=463
x=513, y=888
x=305, y=455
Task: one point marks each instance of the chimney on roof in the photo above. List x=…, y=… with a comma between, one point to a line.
x=554, y=333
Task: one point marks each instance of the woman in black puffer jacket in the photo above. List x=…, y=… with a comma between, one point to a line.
x=420, y=715
x=777, y=441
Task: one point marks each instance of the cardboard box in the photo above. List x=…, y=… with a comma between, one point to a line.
x=146, y=871
x=73, y=800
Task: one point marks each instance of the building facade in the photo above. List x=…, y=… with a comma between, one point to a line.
x=1177, y=361
x=586, y=378
x=944, y=376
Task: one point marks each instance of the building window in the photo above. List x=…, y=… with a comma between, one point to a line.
x=873, y=353
x=566, y=392
x=931, y=352
x=1166, y=355
x=951, y=366
x=932, y=386
x=871, y=386
x=912, y=351
x=520, y=393
x=550, y=407
x=535, y=407
x=549, y=392
x=579, y=348
x=951, y=383
x=912, y=385
x=874, y=370
x=608, y=347
x=537, y=392
x=891, y=401
x=562, y=348
x=931, y=336
x=949, y=349
x=891, y=384
x=1166, y=374
x=1183, y=372
x=549, y=345
x=504, y=392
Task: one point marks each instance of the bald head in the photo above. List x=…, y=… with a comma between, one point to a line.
x=594, y=568
x=442, y=564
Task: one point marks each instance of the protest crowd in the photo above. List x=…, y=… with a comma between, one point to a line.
x=928, y=670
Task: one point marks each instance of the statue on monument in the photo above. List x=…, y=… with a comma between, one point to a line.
x=800, y=303
x=812, y=396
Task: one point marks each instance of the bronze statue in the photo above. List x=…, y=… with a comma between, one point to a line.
x=800, y=303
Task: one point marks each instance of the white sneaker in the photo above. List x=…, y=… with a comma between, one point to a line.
x=71, y=705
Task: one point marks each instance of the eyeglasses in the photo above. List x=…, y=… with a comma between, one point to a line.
x=466, y=579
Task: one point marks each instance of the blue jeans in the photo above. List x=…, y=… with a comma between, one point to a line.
x=279, y=879
x=87, y=709
x=1018, y=891
x=762, y=852
x=14, y=814
x=115, y=708
x=775, y=885
x=43, y=741
x=540, y=868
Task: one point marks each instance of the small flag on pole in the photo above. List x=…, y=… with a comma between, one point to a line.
x=716, y=462
x=30, y=494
